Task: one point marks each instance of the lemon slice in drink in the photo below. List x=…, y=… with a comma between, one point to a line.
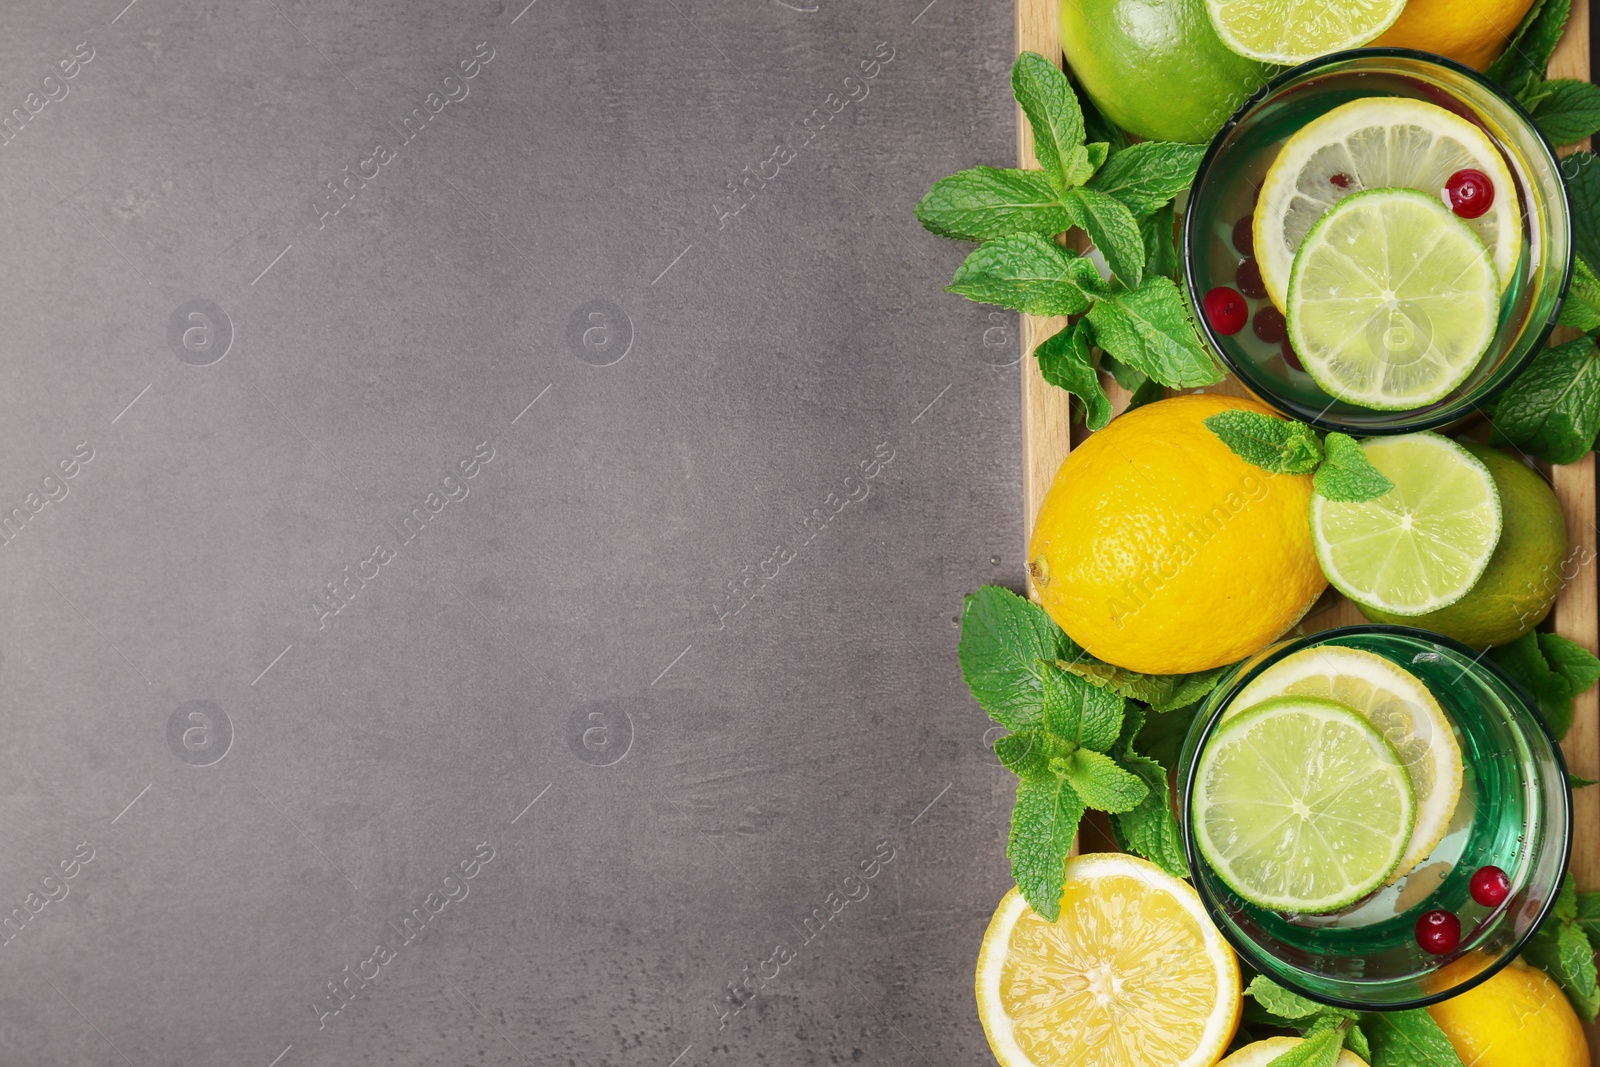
x=1381, y=142
x=1423, y=544
x=1293, y=31
x=1401, y=708
x=1131, y=974
x=1300, y=805
x=1392, y=300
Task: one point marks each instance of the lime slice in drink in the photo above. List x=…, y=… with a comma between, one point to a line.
x=1300, y=805
x=1392, y=300
x=1424, y=543
x=1379, y=142
x=1396, y=702
x=1293, y=31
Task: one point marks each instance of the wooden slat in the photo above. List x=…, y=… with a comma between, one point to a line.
x=1046, y=418
x=1577, y=612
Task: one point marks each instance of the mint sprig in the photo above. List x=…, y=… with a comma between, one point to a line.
x=1562, y=948
x=1121, y=198
x=1383, y=1039
x=1346, y=474
x=1071, y=744
x=1552, y=409
x=1338, y=467
x=1553, y=669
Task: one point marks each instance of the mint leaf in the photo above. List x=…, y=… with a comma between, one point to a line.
x=1102, y=784
x=1025, y=272
x=1583, y=193
x=1408, y=1039
x=1523, y=659
x=1582, y=309
x=1052, y=109
x=1066, y=363
x=1569, y=110
x=1586, y=911
x=1043, y=823
x=1025, y=753
x=1148, y=329
x=1080, y=713
x=1150, y=829
x=1321, y=1050
x=1552, y=409
x=1003, y=638
x=1561, y=948
x=1576, y=665
x=1148, y=175
x=1281, y=446
x=1162, y=735
x=1159, y=231
x=1529, y=49
x=1112, y=228
x=1576, y=781
x=984, y=202
x=1279, y=1001
x=1346, y=473
x=1163, y=692
x=1355, y=1039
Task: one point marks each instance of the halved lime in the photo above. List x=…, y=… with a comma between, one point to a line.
x=1393, y=300
x=1300, y=805
x=1396, y=702
x=1422, y=544
x=1378, y=142
x=1293, y=31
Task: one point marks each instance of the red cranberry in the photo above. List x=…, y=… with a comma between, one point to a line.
x=1341, y=180
x=1270, y=325
x=1438, y=932
x=1469, y=193
x=1248, y=279
x=1242, y=234
x=1291, y=357
x=1490, y=886
x=1226, y=310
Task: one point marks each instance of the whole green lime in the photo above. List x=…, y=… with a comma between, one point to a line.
x=1156, y=67
x=1520, y=585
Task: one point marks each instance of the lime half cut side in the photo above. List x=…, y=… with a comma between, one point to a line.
x=1393, y=300
x=1396, y=702
x=1300, y=805
x=1423, y=544
x=1293, y=31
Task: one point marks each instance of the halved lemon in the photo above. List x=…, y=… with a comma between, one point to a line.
x=1401, y=708
x=1132, y=974
x=1383, y=142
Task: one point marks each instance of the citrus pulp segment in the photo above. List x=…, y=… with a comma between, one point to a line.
x=1293, y=31
x=1300, y=805
x=1382, y=142
x=1424, y=543
x=1401, y=708
x=1393, y=300
x=1132, y=973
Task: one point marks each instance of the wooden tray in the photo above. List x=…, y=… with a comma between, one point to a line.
x=1048, y=435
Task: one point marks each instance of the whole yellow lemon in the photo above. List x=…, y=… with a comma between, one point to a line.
x=1471, y=33
x=1518, y=1018
x=1159, y=550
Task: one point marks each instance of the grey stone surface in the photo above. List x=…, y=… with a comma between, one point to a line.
x=220, y=787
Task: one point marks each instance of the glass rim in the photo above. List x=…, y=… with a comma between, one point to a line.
x=1446, y=415
x=1249, y=950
